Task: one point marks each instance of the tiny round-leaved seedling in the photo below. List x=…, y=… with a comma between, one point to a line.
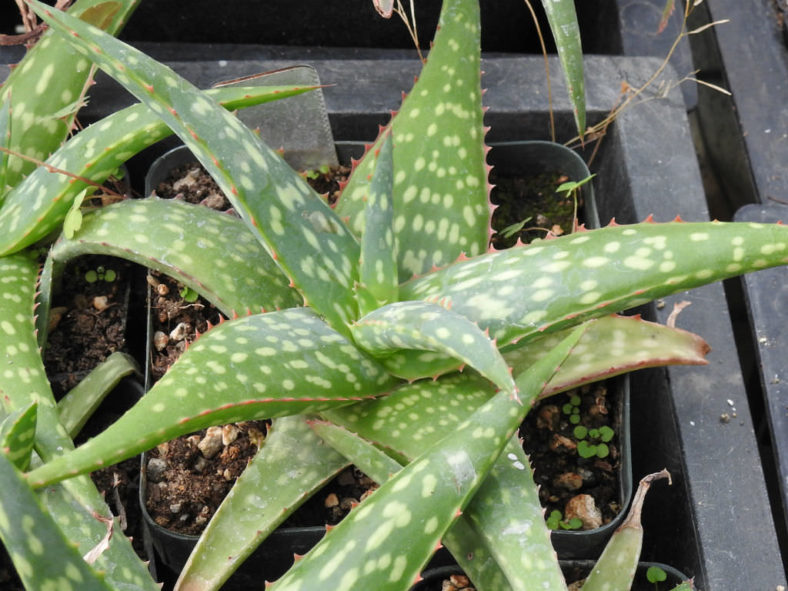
x=655, y=575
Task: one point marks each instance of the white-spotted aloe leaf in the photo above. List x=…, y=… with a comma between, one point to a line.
x=292, y=463
x=39, y=203
x=44, y=558
x=425, y=326
x=420, y=502
x=48, y=86
x=258, y=366
x=505, y=515
x=460, y=539
x=5, y=139
x=635, y=344
x=300, y=231
x=77, y=406
x=17, y=435
x=378, y=265
x=550, y=285
x=562, y=17
x=213, y=253
x=76, y=505
x=24, y=377
x=366, y=457
x=630, y=343
x=441, y=208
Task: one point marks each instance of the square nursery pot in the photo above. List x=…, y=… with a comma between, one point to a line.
x=274, y=556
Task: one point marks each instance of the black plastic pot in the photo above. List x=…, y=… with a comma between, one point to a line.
x=573, y=570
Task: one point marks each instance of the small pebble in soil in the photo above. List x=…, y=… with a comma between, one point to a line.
x=160, y=340
x=561, y=443
x=156, y=468
x=229, y=434
x=101, y=303
x=180, y=331
x=200, y=463
x=569, y=481
x=211, y=444
x=584, y=508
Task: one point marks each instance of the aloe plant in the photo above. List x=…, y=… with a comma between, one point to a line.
x=37, y=112
x=351, y=338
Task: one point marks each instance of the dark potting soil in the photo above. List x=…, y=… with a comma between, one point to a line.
x=528, y=207
x=557, y=434
x=87, y=321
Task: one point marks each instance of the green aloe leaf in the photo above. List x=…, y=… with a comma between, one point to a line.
x=461, y=539
x=292, y=463
x=425, y=326
x=49, y=83
x=40, y=202
x=441, y=209
x=259, y=366
x=363, y=552
x=550, y=285
x=44, y=558
x=76, y=505
x=369, y=459
x=378, y=264
x=233, y=270
x=562, y=18
x=5, y=139
x=630, y=343
x=505, y=515
x=76, y=407
x=300, y=231
x=24, y=378
x=17, y=435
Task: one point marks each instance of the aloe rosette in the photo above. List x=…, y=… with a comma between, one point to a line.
x=370, y=328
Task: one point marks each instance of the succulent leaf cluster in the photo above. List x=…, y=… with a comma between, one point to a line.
x=348, y=328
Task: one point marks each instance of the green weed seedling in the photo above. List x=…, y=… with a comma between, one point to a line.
x=571, y=189
x=188, y=294
x=593, y=442
x=572, y=409
x=556, y=521
x=100, y=273
x=656, y=575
